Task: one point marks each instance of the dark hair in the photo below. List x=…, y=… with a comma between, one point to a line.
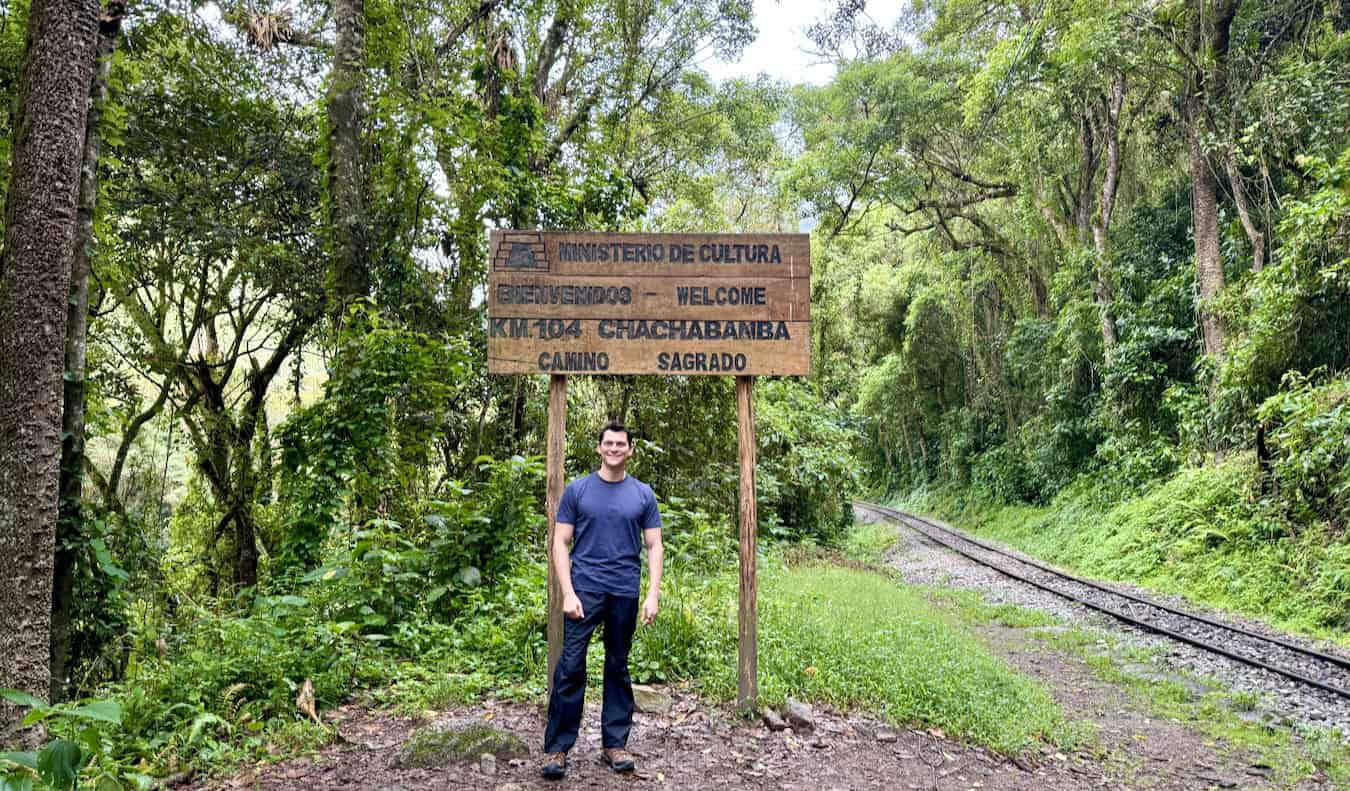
x=616, y=427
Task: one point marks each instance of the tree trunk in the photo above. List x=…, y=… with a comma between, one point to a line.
x=1208, y=262
x=1111, y=109
x=245, y=547
x=1254, y=234
x=35, y=269
x=1211, y=23
x=223, y=440
x=348, y=175
x=69, y=525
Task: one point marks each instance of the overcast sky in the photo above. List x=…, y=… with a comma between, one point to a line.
x=780, y=48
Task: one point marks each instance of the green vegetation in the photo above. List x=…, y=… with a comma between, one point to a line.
x=853, y=639
x=869, y=542
x=1293, y=754
x=443, y=746
x=1204, y=533
x=1079, y=279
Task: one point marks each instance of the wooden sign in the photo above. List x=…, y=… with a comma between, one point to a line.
x=738, y=305
x=676, y=304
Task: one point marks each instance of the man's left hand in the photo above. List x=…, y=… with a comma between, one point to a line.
x=649, y=610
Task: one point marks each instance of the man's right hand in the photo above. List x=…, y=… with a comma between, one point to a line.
x=572, y=607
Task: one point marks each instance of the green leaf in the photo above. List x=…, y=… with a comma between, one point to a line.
x=200, y=722
x=325, y=573
x=16, y=782
x=59, y=764
x=101, y=710
x=22, y=699
x=22, y=759
x=107, y=783
x=36, y=716
x=435, y=594
x=105, y=560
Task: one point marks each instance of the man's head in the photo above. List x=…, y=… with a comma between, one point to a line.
x=615, y=445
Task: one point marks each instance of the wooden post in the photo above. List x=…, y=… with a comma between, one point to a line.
x=557, y=451
x=747, y=678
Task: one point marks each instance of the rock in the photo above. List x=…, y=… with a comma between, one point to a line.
x=458, y=741
x=510, y=787
x=887, y=736
x=773, y=721
x=487, y=764
x=650, y=700
x=799, y=715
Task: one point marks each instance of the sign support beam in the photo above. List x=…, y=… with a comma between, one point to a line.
x=557, y=450
x=747, y=667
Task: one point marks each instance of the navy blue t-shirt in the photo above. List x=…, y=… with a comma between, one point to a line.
x=608, y=520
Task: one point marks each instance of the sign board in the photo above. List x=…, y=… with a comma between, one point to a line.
x=675, y=304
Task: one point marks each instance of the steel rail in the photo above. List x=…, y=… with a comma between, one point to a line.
x=1310, y=652
x=1129, y=619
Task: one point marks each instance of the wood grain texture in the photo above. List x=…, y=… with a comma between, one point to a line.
x=557, y=457
x=666, y=304
x=747, y=665
x=761, y=357
x=621, y=254
x=649, y=296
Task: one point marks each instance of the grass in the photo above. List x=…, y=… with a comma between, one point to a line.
x=857, y=640
x=834, y=629
x=869, y=542
x=1292, y=754
x=1205, y=534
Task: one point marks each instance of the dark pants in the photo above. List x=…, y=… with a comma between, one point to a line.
x=619, y=615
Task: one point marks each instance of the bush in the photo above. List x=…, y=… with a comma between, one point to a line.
x=474, y=537
x=1310, y=447
x=806, y=474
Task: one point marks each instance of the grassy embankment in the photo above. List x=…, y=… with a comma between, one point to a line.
x=1205, y=533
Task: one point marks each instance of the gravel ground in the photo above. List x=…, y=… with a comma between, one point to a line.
x=924, y=562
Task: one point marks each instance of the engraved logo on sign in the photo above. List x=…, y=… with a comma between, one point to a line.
x=521, y=257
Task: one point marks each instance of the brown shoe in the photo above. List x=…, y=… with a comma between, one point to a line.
x=555, y=766
x=618, y=759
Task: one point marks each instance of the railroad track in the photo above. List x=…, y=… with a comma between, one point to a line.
x=1307, y=666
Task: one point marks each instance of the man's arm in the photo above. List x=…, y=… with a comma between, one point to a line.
x=656, y=554
x=562, y=568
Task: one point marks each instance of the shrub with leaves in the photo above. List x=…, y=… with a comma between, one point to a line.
x=80, y=753
x=1310, y=446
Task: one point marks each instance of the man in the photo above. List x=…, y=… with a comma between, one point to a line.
x=606, y=518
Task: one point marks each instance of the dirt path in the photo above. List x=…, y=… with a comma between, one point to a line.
x=695, y=747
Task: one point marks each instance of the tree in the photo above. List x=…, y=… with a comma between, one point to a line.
x=35, y=266
x=1209, y=27
x=213, y=267
x=348, y=171
x=69, y=528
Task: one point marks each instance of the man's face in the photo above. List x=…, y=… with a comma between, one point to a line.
x=614, y=449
